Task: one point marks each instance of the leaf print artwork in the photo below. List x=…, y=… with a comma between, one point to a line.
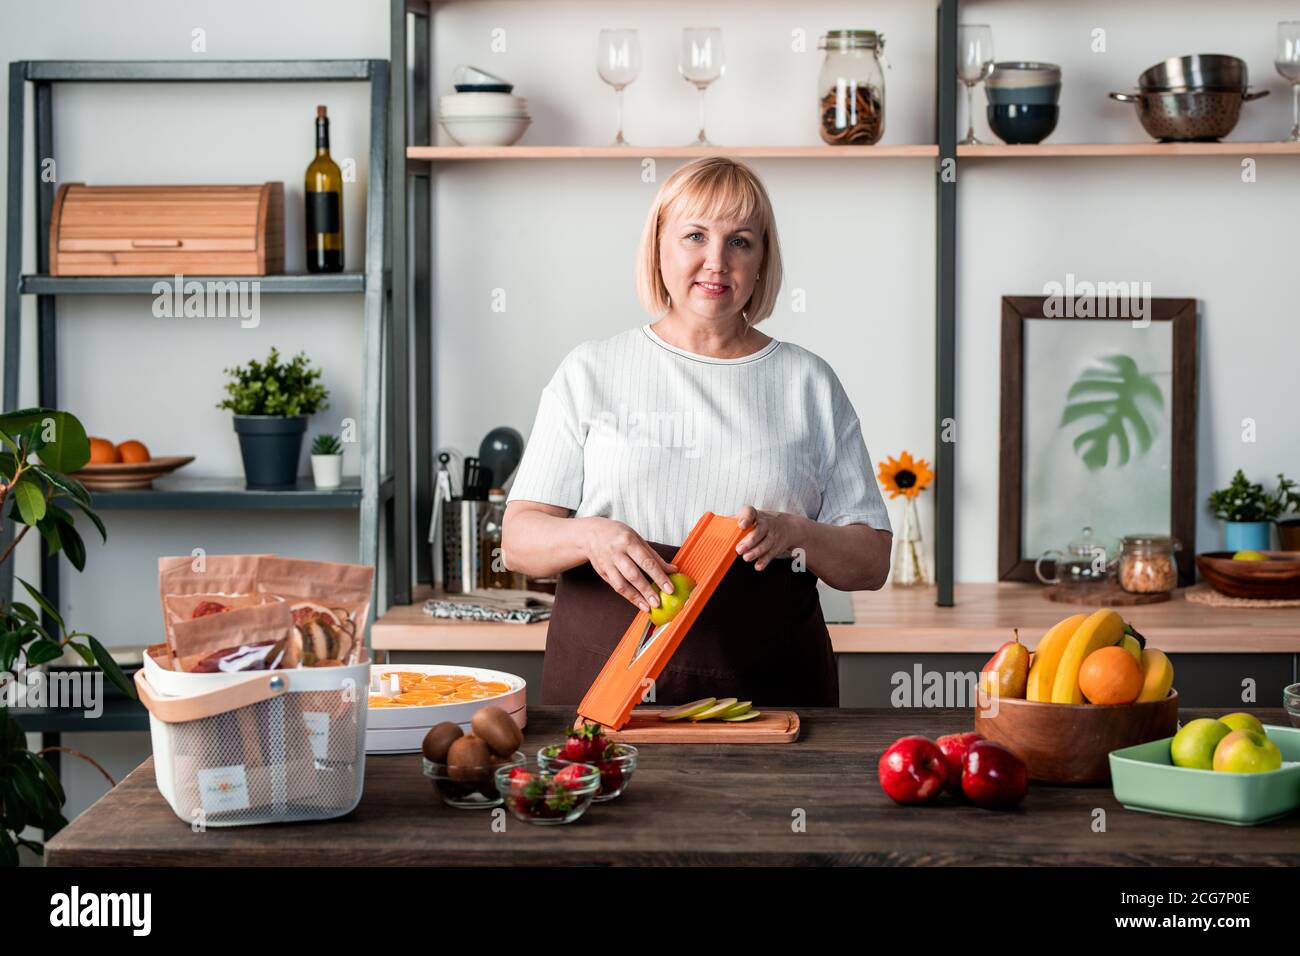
x=1111, y=393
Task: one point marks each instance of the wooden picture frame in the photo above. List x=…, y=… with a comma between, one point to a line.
x=1013, y=563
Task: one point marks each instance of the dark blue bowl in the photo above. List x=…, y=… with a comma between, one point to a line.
x=1017, y=123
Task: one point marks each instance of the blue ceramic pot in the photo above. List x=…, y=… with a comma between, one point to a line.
x=1246, y=535
x=1020, y=123
x=1028, y=95
x=271, y=446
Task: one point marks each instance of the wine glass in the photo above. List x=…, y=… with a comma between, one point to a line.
x=974, y=63
x=1287, y=61
x=618, y=60
x=701, y=63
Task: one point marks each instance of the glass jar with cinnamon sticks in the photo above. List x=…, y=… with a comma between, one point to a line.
x=851, y=88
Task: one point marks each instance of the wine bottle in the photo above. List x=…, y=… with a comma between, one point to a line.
x=323, y=193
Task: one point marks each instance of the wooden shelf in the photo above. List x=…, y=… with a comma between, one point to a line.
x=907, y=621
x=446, y=153
x=1060, y=150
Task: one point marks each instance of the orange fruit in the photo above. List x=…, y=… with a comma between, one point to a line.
x=1110, y=675
x=102, y=452
x=133, y=452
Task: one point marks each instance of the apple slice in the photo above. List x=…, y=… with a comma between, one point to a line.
x=717, y=710
x=691, y=709
x=747, y=715
x=743, y=707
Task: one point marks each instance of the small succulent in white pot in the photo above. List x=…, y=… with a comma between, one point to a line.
x=326, y=461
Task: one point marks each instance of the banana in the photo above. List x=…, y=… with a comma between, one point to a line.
x=1047, y=657
x=1103, y=628
x=1130, y=644
x=1158, y=675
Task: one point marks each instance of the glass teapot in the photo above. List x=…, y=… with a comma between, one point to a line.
x=1084, y=562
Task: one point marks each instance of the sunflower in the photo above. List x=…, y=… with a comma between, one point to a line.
x=904, y=476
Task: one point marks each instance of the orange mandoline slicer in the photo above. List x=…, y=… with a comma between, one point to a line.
x=705, y=556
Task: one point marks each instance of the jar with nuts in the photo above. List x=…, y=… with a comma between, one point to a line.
x=1147, y=565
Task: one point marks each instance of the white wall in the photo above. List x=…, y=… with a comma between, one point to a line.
x=560, y=237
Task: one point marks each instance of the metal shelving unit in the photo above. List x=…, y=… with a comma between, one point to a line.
x=385, y=381
x=412, y=80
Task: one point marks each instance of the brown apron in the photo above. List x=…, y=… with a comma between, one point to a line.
x=761, y=637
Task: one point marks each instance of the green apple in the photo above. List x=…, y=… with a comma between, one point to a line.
x=1242, y=721
x=670, y=604
x=1249, y=556
x=747, y=715
x=688, y=710
x=682, y=583
x=1193, y=745
x=743, y=707
x=717, y=710
x=1244, y=751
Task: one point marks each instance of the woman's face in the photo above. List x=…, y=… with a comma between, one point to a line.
x=709, y=266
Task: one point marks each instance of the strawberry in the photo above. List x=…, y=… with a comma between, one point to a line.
x=571, y=777
x=519, y=778
x=584, y=745
x=204, y=608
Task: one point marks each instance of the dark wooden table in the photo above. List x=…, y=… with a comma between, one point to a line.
x=701, y=804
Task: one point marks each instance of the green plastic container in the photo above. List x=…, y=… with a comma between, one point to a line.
x=1144, y=778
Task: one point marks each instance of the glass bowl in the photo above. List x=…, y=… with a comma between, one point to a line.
x=469, y=788
x=616, y=768
x=1291, y=701
x=545, y=797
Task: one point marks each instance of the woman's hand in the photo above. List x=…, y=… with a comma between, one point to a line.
x=626, y=563
x=774, y=534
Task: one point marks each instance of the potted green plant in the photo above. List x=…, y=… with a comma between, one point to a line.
x=1288, y=498
x=271, y=401
x=326, y=461
x=37, y=447
x=1248, y=512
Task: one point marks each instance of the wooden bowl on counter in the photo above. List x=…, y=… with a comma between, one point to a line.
x=1276, y=579
x=1071, y=743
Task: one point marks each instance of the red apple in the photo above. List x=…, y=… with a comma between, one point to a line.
x=912, y=770
x=993, y=777
x=954, y=747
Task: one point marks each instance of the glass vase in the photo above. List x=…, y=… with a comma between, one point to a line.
x=909, y=566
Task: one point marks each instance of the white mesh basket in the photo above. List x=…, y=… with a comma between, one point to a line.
x=273, y=747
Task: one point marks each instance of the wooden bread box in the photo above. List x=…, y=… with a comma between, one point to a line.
x=165, y=230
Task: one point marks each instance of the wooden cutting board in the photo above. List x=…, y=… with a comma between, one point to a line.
x=645, y=727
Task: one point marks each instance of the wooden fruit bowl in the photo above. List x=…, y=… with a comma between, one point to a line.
x=122, y=476
x=1069, y=743
x=1277, y=579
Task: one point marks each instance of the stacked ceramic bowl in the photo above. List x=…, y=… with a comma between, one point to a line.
x=1023, y=100
x=483, y=119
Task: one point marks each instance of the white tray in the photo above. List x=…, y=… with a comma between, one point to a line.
x=401, y=729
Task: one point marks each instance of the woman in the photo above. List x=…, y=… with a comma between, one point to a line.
x=639, y=434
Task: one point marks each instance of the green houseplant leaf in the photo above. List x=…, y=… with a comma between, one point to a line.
x=1111, y=394
x=275, y=388
x=65, y=446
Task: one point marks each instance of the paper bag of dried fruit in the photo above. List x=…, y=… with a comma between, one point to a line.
x=241, y=612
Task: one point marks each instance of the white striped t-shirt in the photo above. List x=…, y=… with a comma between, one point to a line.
x=635, y=429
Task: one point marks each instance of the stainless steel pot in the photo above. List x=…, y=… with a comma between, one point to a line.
x=1200, y=71
x=1190, y=115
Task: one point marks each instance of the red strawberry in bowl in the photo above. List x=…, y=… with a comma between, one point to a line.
x=573, y=777
x=585, y=744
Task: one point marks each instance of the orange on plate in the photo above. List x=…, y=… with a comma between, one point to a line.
x=102, y=452
x=1110, y=675
x=133, y=452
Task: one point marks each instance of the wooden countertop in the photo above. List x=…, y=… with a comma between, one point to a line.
x=907, y=620
x=694, y=804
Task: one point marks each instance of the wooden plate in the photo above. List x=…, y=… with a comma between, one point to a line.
x=1277, y=579
x=120, y=476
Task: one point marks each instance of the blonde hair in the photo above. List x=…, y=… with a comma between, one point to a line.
x=711, y=188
